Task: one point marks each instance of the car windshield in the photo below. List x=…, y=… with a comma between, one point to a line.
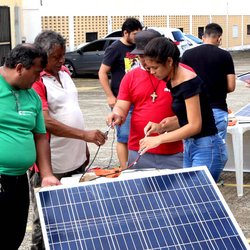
x=94, y=46
x=194, y=38
x=178, y=36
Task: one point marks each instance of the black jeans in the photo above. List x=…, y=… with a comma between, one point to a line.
x=14, y=209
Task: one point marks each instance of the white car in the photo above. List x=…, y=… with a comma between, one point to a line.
x=193, y=41
x=175, y=35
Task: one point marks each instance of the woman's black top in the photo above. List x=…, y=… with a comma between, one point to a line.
x=186, y=90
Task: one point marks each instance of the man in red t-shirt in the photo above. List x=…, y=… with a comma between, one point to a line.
x=152, y=102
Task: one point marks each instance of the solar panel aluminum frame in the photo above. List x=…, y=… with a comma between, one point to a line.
x=123, y=179
x=243, y=115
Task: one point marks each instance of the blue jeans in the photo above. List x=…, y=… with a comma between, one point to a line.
x=122, y=132
x=221, y=122
x=207, y=151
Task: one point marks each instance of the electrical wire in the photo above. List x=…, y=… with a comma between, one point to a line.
x=119, y=170
x=97, y=151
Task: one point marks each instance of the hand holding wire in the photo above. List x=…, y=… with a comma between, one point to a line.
x=147, y=143
x=108, y=129
x=114, y=119
x=151, y=128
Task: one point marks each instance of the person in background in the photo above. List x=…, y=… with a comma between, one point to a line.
x=216, y=68
x=63, y=118
x=151, y=101
x=117, y=61
x=23, y=140
x=202, y=144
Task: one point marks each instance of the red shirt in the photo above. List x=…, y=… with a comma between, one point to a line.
x=137, y=87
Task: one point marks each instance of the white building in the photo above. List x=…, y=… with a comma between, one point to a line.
x=76, y=19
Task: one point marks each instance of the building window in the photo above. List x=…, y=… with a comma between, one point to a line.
x=91, y=36
x=200, y=32
x=248, y=29
x=235, y=31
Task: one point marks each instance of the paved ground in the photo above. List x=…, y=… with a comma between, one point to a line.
x=93, y=104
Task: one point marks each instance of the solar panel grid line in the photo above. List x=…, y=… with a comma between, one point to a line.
x=94, y=222
x=207, y=229
x=83, y=245
x=117, y=217
x=234, y=225
x=62, y=227
x=105, y=209
x=201, y=218
x=226, y=209
x=195, y=210
x=135, y=216
x=226, y=217
x=73, y=227
x=135, y=211
x=123, y=189
x=161, y=211
x=55, y=225
x=176, y=207
x=155, y=216
x=183, y=210
x=244, y=111
x=59, y=227
x=150, y=217
x=43, y=223
x=166, y=214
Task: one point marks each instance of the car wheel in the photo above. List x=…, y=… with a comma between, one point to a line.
x=71, y=68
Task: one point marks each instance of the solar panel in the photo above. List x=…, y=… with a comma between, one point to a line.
x=180, y=209
x=243, y=115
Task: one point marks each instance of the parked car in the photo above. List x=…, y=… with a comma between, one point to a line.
x=115, y=33
x=193, y=41
x=88, y=58
x=245, y=78
x=175, y=35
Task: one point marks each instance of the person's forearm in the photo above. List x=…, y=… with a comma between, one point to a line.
x=62, y=130
x=231, y=82
x=179, y=134
x=43, y=155
x=170, y=123
x=120, y=112
x=104, y=80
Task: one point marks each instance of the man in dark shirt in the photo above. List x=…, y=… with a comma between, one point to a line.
x=117, y=61
x=215, y=66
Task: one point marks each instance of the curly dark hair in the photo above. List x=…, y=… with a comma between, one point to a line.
x=131, y=24
x=25, y=54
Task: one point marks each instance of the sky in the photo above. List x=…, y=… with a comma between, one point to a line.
x=144, y=7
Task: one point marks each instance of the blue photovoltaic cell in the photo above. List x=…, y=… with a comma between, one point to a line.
x=245, y=111
x=170, y=211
